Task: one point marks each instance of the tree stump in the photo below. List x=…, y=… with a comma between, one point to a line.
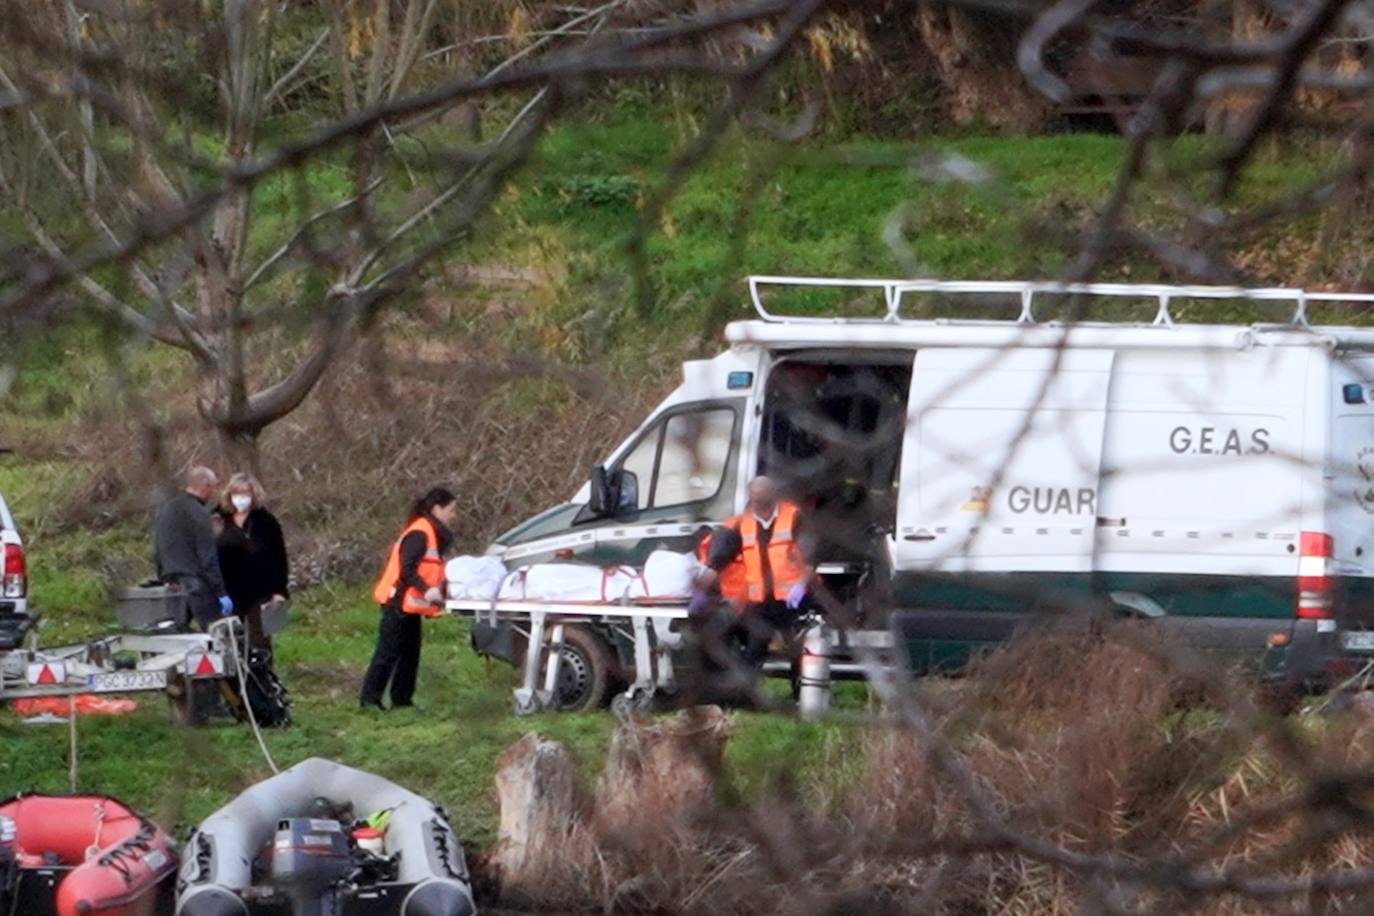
x=661, y=775
x=541, y=842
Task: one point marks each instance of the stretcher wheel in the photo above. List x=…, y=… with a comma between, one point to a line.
x=629, y=704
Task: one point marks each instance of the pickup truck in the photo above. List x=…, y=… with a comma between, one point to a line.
x=14, y=584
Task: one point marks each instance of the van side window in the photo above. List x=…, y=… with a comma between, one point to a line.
x=680, y=460
x=640, y=463
x=695, y=448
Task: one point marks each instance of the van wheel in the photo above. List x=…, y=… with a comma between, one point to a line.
x=585, y=671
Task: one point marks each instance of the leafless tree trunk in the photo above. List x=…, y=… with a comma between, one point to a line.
x=661, y=775
x=973, y=54
x=153, y=209
x=542, y=843
x=1250, y=21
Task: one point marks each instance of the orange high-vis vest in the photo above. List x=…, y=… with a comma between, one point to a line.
x=431, y=570
x=783, y=556
x=731, y=580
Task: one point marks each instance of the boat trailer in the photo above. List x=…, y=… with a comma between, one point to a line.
x=121, y=663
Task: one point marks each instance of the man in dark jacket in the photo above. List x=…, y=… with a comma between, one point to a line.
x=185, y=550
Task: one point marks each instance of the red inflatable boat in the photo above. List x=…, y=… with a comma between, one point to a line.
x=100, y=858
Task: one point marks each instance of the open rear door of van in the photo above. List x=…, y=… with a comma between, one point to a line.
x=1000, y=469
x=1350, y=500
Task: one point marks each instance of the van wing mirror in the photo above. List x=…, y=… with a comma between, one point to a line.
x=602, y=501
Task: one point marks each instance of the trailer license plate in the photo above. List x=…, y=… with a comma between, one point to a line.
x=1358, y=641
x=126, y=681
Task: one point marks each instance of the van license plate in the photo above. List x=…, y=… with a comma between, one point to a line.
x=1358, y=641
x=125, y=681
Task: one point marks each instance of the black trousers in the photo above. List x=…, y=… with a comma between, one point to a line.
x=726, y=649
x=756, y=626
x=201, y=605
x=743, y=635
x=395, y=660
x=251, y=615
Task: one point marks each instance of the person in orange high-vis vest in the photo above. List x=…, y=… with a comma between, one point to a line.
x=730, y=581
x=757, y=563
x=410, y=589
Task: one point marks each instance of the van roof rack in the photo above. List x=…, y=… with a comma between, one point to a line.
x=1027, y=291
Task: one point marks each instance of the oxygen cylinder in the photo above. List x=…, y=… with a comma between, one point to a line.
x=814, y=696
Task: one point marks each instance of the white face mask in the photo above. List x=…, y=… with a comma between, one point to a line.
x=241, y=503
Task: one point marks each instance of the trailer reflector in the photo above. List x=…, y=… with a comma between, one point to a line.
x=206, y=664
x=46, y=674
x=1314, y=579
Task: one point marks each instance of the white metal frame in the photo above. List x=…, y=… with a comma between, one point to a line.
x=162, y=653
x=1027, y=291
x=653, y=644
x=648, y=623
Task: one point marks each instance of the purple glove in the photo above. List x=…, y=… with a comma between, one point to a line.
x=699, y=603
x=796, y=596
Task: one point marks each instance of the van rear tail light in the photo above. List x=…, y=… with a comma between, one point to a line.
x=1314, y=575
x=14, y=583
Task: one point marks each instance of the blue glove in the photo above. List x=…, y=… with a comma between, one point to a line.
x=226, y=605
x=795, y=596
x=699, y=603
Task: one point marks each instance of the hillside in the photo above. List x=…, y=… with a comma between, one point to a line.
x=533, y=351
x=519, y=366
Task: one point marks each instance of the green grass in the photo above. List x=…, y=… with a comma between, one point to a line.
x=862, y=208
x=814, y=212
x=446, y=750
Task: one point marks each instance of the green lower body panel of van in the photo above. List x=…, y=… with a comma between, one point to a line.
x=945, y=621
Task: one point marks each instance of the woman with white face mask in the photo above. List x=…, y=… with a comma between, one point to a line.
x=252, y=553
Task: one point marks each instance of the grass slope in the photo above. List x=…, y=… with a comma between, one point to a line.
x=445, y=749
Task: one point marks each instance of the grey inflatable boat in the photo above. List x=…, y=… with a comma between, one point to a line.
x=322, y=839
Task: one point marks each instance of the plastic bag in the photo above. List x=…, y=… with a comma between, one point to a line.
x=474, y=578
x=578, y=582
x=670, y=575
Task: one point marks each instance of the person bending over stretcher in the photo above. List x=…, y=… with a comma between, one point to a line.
x=410, y=589
x=759, y=564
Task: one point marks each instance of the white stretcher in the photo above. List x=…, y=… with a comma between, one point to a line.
x=647, y=624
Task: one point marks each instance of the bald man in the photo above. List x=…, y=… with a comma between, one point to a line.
x=770, y=552
x=184, y=547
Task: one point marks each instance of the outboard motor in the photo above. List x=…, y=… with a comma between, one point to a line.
x=9, y=875
x=310, y=858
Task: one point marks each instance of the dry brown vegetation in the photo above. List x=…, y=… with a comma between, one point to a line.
x=515, y=433
x=1106, y=743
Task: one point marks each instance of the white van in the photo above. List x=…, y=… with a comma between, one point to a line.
x=968, y=473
